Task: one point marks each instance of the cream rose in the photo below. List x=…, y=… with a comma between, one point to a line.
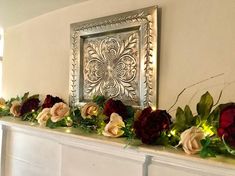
x=15, y=108
x=190, y=140
x=114, y=127
x=59, y=111
x=88, y=110
x=43, y=116
x=2, y=103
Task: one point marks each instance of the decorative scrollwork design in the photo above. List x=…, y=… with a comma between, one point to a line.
x=74, y=69
x=114, y=21
x=148, y=62
x=111, y=64
x=111, y=67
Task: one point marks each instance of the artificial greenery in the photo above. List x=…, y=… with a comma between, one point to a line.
x=206, y=118
x=61, y=123
x=212, y=146
x=94, y=124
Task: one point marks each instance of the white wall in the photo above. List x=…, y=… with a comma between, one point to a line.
x=1, y=42
x=197, y=41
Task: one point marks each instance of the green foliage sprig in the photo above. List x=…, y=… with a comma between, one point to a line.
x=212, y=147
x=206, y=117
x=94, y=124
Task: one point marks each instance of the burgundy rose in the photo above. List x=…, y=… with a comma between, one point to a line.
x=116, y=106
x=50, y=101
x=150, y=124
x=227, y=124
x=29, y=104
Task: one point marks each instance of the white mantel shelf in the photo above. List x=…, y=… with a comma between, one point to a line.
x=29, y=150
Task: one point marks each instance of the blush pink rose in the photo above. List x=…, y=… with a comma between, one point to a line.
x=44, y=116
x=59, y=111
x=15, y=108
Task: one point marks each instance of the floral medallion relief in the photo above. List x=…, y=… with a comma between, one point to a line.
x=115, y=56
x=111, y=66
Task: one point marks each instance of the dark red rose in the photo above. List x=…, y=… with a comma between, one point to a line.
x=227, y=124
x=150, y=124
x=116, y=106
x=32, y=103
x=50, y=101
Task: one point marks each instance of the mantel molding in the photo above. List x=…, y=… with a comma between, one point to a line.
x=117, y=148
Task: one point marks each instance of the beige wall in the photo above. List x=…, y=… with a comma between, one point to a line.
x=197, y=41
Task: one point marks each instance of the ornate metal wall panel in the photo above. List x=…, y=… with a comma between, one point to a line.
x=115, y=56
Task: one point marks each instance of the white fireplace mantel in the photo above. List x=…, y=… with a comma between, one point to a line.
x=28, y=150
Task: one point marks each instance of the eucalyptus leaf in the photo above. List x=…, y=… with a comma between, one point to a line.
x=25, y=96
x=198, y=120
x=180, y=119
x=188, y=115
x=184, y=119
x=205, y=105
x=36, y=96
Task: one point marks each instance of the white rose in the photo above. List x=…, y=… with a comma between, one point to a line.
x=15, y=108
x=43, y=116
x=88, y=110
x=114, y=127
x=191, y=140
x=59, y=111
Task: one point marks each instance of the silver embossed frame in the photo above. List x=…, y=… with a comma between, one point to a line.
x=115, y=56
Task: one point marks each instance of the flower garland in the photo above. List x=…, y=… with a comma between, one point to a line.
x=209, y=132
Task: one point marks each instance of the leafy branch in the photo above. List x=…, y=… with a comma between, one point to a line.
x=190, y=86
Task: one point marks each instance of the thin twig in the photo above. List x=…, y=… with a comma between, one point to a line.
x=178, y=96
x=221, y=92
x=220, y=95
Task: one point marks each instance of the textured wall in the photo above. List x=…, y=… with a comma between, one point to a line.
x=197, y=41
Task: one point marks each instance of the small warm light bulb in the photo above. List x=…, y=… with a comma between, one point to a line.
x=173, y=132
x=68, y=130
x=69, y=121
x=154, y=108
x=207, y=130
x=32, y=123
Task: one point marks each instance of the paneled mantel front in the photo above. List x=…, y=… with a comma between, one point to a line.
x=28, y=150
